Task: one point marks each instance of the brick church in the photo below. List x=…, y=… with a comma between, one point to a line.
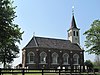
x=51, y=53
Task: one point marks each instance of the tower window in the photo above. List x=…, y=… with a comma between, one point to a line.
x=77, y=33
x=74, y=33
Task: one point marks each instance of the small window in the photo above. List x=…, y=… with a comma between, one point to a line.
x=77, y=33
x=74, y=33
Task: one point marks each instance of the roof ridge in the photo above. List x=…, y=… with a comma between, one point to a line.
x=51, y=38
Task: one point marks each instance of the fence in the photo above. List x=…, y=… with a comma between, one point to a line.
x=44, y=72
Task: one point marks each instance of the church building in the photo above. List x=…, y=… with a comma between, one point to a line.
x=51, y=53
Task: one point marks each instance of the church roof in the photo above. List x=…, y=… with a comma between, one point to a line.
x=42, y=42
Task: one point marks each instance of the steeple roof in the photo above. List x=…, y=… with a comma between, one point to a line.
x=73, y=23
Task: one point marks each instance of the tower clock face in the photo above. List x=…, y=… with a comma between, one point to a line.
x=75, y=38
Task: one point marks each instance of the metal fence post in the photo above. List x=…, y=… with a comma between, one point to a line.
x=0, y=71
x=42, y=71
x=22, y=71
x=59, y=71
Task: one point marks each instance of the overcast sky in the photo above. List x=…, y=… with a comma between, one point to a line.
x=52, y=18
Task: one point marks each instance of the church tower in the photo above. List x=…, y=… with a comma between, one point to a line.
x=73, y=32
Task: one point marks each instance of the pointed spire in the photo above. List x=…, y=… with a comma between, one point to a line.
x=73, y=23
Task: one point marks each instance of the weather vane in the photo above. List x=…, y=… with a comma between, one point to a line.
x=72, y=10
x=33, y=34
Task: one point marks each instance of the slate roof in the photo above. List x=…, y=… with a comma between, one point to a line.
x=52, y=43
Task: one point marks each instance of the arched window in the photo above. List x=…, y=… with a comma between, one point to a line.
x=31, y=57
x=65, y=58
x=75, y=59
x=43, y=56
x=54, y=58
